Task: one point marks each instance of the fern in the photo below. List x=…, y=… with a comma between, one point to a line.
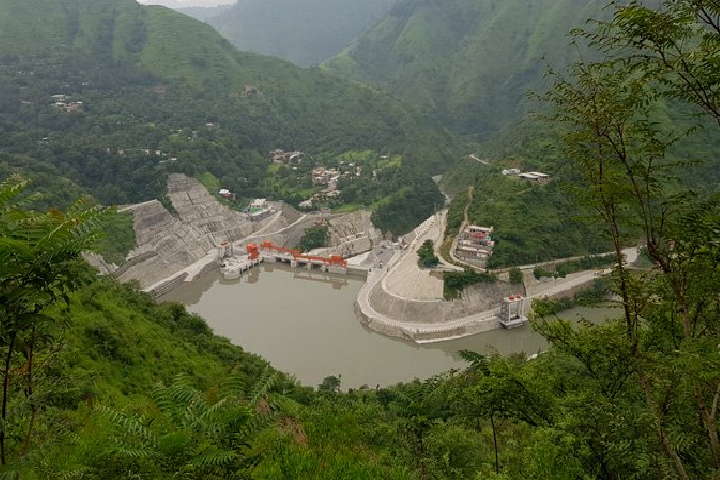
x=136, y=453
x=262, y=386
x=131, y=425
x=217, y=459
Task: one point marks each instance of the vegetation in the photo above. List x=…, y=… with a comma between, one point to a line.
x=533, y=222
x=627, y=178
x=563, y=269
x=119, y=238
x=597, y=294
x=426, y=255
x=164, y=93
x=470, y=63
x=314, y=237
x=407, y=206
x=455, y=282
x=41, y=265
x=516, y=276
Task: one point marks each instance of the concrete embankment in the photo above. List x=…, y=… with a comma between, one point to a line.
x=405, y=301
x=402, y=300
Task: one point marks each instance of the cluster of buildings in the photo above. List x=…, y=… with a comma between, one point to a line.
x=144, y=151
x=324, y=176
x=475, y=245
x=281, y=157
x=62, y=103
x=539, y=177
x=328, y=177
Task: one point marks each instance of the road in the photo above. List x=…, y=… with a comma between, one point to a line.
x=406, y=279
x=581, y=278
x=474, y=157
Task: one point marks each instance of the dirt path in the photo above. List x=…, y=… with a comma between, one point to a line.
x=471, y=196
x=474, y=157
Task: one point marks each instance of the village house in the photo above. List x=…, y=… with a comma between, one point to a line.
x=226, y=194
x=535, y=177
x=259, y=209
x=323, y=176
x=281, y=157
x=68, y=107
x=475, y=244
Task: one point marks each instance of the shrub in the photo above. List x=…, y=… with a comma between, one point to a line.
x=426, y=255
x=516, y=276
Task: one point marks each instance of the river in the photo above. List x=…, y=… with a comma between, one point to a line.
x=303, y=323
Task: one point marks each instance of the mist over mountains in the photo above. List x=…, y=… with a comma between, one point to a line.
x=303, y=32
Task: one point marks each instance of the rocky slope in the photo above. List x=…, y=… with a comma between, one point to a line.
x=168, y=243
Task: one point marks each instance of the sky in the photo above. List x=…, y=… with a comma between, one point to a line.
x=187, y=3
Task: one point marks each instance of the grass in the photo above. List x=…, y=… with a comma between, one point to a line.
x=210, y=181
x=355, y=155
x=348, y=208
x=119, y=238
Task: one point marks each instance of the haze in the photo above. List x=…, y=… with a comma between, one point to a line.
x=186, y=3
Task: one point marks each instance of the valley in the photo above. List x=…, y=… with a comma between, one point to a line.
x=389, y=239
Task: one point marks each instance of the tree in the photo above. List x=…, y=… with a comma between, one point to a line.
x=493, y=389
x=330, y=384
x=426, y=255
x=516, y=276
x=664, y=348
x=40, y=263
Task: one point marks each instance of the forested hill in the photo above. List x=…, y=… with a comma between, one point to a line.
x=163, y=92
x=303, y=32
x=471, y=62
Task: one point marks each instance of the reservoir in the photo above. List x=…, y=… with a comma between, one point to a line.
x=303, y=323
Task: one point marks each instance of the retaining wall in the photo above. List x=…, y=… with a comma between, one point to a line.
x=169, y=285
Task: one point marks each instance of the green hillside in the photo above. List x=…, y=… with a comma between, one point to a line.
x=154, y=81
x=470, y=62
x=303, y=32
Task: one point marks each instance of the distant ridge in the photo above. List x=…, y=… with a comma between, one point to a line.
x=304, y=32
x=470, y=62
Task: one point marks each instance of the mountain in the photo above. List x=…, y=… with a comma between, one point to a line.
x=470, y=62
x=304, y=32
x=162, y=92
